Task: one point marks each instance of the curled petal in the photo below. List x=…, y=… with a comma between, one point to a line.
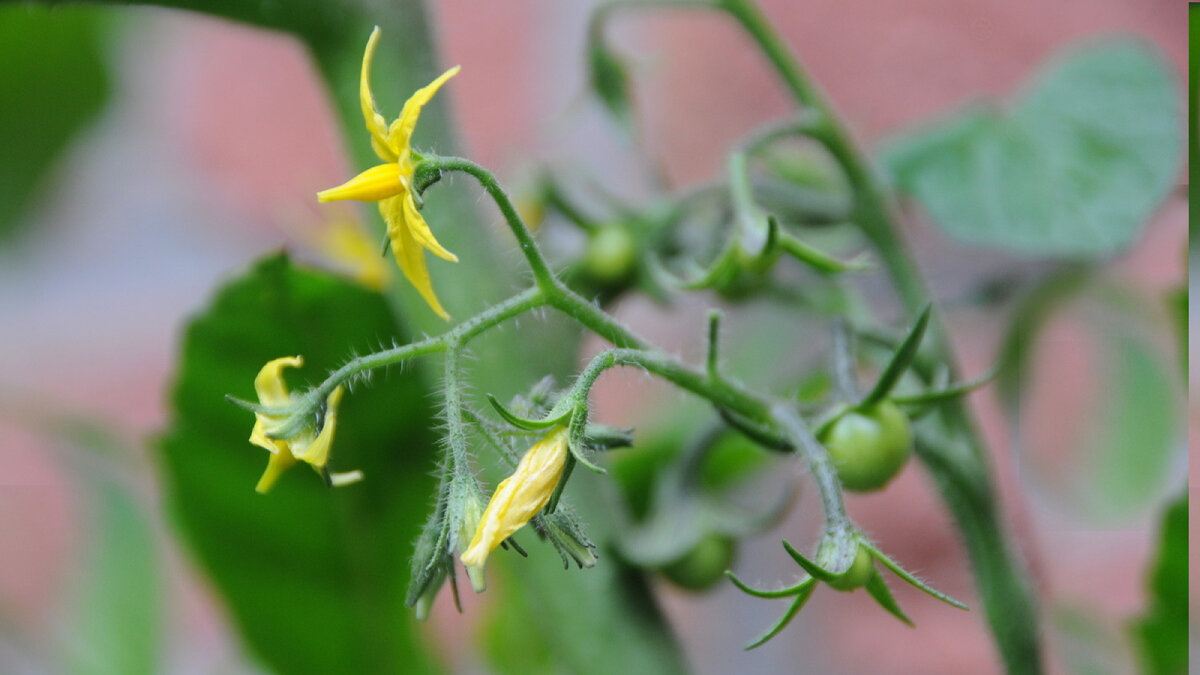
x=420, y=229
x=376, y=125
x=409, y=254
x=400, y=134
x=280, y=461
x=269, y=384
x=316, y=453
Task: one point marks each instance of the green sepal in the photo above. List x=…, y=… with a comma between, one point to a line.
x=819, y=573
x=785, y=592
x=797, y=604
x=879, y=590
x=819, y=260
x=911, y=579
x=948, y=392
x=577, y=439
x=522, y=422
x=901, y=359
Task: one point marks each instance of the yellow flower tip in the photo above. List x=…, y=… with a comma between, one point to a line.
x=519, y=497
x=375, y=184
x=278, y=463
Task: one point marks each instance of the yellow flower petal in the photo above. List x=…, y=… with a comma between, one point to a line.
x=269, y=383
x=519, y=497
x=409, y=255
x=316, y=453
x=276, y=465
x=420, y=229
x=375, y=184
x=400, y=133
x=376, y=125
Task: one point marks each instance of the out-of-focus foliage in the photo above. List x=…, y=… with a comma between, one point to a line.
x=55, y=81
x=112, y=624
x=1073, y=167
x=313, y=577
x=1162, y=633
x=1121, y=456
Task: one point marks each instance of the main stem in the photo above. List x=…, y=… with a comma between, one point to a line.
x=962, y=477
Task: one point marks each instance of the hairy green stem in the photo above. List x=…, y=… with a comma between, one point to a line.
x=452, y=339
x=431, y=169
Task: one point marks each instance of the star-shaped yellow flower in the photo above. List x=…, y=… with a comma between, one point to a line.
x=390, y=183
x=519, y=497
x=309, y=444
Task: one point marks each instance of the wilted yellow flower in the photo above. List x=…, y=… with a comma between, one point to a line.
x=390, y=183
x=519, y=497
x=309, y=445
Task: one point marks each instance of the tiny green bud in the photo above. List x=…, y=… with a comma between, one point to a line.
x=611, y=255
x=472, y=513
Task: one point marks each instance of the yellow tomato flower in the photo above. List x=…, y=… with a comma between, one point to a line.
x=519, y=497
x=309, y=445
x=390, y=183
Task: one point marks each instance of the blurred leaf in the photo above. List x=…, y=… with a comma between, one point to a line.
x=1030, y=317
x=54, y=80
x=1162, y=633
x=1087, y=646
x=1073, y=168
x=1136, y=429
x=1124, y=443
x=113, y=619
x=313, y=577
x=608, y=74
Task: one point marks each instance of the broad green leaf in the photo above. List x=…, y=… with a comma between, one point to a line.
x=1162, y=632
x=313, y=577
x=1072, y=167
x=55, y=81
x=112, y=624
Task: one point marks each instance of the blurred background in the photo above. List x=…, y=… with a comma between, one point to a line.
x=188, y=147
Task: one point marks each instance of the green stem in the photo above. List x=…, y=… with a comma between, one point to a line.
x=962, y=476
x=430, y=170
x=452, y=339
x=775, y=415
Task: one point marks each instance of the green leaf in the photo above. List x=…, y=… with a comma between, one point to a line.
x=113, y=615
x=608, y=74
x=1162, y=632
x=1136, y=430
x=314, y=578
x=1072, y=168
x=55, y=82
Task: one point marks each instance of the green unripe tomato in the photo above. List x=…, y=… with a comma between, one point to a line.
x=869, y=448
x=859, y=573
x=704, y=565
x=611, y=255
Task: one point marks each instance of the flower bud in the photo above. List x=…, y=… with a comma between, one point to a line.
x=519, y=497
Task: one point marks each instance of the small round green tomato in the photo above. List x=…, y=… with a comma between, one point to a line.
x=869, y=448
x=703, y=565
x=611, y=254
x=859, y=573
